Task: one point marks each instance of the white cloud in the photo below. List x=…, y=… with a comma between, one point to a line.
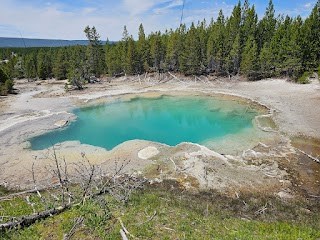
x=302, y=9
x=164, y=9
x=136, y=7
x=53, y=21
x=88, y=10
x=309, y=5
x=65, y=22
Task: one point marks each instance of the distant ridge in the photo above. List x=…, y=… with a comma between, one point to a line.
x=6, y=42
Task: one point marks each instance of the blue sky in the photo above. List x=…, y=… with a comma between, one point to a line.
x=66, y=19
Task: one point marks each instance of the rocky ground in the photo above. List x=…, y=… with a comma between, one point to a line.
x=273, y=165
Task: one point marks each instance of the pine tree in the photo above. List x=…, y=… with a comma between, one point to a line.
x=60, y=67
x=234, y=58
x=30, y=66
x=106, y=47
x=10, y=66
x=131, y=59
x=125, y=34
x=6, y=82
x=190, y=62
x=267, y=61
x=124, y=48
x=44, y=64
x=156, y=51
x=79, y=71
x=114, y=61
x=233, y=44
x=311, y=39
x=250, y=58
x=293, y=57
x=216, y=46
x=203, y=38
x=95, y=54
x=249, y=23
x=266, y=26
x=173, y=50
x=142, y=49
x=233, y=25
x=280, y=45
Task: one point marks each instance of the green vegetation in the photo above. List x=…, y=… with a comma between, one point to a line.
x=165, y=211
x=274, y=46
x=6, y=84
x=304, y=79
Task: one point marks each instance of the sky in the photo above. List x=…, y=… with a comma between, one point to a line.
x=66, y=19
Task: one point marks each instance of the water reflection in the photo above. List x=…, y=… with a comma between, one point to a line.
x=167, y=119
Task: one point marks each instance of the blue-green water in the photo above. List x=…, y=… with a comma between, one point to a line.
x=169, y=120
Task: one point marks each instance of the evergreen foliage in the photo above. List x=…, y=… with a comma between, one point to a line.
x=6, y=84
x=44, y=64
x=142, y=51
x=190, y=61
x=249, y=58
x=95, y=52
x=60, y=66
x=240, y=44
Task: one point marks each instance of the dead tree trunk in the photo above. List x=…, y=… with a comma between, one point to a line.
x=26, y=221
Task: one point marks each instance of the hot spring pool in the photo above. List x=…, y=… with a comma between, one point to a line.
x=166, y=119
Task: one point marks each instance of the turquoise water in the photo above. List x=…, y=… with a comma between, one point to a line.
x=169, y=120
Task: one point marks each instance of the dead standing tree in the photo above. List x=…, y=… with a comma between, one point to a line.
x=66, y=194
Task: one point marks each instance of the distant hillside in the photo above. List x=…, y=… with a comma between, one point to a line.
x=28, y=42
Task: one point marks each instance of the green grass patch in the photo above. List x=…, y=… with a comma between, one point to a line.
x=165, y=211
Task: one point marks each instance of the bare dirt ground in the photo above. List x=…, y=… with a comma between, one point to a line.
x=272, y=166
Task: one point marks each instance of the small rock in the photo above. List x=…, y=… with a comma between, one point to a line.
x=284, y=195
x=148, y=152
x=305, y=210
x=61, y=123
x=156, y=180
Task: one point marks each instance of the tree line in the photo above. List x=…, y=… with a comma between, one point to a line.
x=239, y=44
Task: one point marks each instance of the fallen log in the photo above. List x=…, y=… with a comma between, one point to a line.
x=161, y=81
x=207, y=83
x=309, y=156
x=26, y=221
x=175, y=77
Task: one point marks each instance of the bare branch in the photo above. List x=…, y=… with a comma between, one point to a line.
x=75, y=226
x=43, y=200
x=124, y=228
x=150, y=219
x=31, y=204
x=123, y=235
x=317, y=160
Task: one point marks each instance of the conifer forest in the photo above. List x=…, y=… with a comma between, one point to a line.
x=254, y=47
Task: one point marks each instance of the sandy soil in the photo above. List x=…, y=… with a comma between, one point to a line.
x=263, y=167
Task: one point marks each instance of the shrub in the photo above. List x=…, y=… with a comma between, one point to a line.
x=3, y=90
x=6, y=84
x=304, y=79
x=9, y=85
